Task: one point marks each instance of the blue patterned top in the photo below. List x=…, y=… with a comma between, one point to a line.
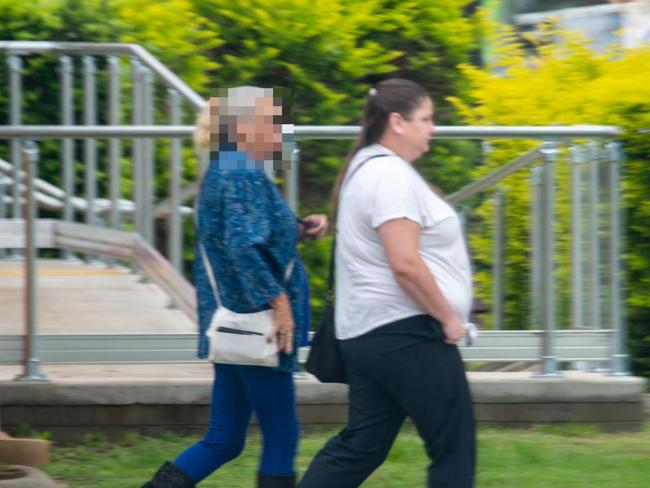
x=250, y=235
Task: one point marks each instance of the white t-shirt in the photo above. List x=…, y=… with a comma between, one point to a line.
x=382, y=189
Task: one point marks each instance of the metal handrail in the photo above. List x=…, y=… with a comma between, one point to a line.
x=142, y=133
x=303, y=132
x=109, y=49
x=495, y=177
x=52, y=197
x=472, y=132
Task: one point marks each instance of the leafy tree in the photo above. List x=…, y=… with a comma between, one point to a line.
x=175, y=33
x=330, y=53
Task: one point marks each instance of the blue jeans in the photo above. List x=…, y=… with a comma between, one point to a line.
x=238, y=391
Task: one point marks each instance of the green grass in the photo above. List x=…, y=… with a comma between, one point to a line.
x=543, y=457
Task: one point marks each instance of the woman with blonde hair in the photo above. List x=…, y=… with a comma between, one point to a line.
x=249, y=236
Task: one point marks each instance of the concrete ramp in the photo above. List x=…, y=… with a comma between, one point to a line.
x=77, y=298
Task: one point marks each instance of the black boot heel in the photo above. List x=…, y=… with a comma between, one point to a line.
x=169, y=476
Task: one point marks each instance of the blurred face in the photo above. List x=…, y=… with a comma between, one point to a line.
x=261, y=133
x=417, y=130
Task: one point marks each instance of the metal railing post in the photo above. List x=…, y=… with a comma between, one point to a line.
x=498, y=244
x=90, y=144
x=594, y=238
x=148, y=173
x=536, y=202
x=549, y=361
x=114, y=146
x=175, y=236
x=291, y=184
x=67, y=118
x=577, y=313
x=136, y=107
x=30, y=352
x=15, y=65
x=619, y=356
x=463, y=213
x=3, y=185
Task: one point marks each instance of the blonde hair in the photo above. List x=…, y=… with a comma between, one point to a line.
x=202, y=132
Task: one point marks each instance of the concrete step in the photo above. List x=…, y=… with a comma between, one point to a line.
x=154, y=398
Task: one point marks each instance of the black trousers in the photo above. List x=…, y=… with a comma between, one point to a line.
x=398, y=370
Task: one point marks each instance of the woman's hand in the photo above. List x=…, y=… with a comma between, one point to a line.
x=454, y=330
x=315, y=226
x=401, y=240
x=283, y=325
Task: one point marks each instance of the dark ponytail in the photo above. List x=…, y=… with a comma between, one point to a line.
x=389, y=96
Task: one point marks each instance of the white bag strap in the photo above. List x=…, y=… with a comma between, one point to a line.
x=208, y=270
x=213, y=281
x=208, y=267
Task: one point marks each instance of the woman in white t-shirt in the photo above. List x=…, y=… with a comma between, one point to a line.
x=403, y=296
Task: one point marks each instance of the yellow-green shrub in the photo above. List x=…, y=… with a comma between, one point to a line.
x=563, y=82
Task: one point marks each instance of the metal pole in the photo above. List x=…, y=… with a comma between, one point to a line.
x=30, y=353
x=498, y=259
x=148, y=152
x=90, y=144
x=90, y=154
x=619, y=357
x=302, y=132
x=548, y=284
x=577, y=313
x=15, y=65
x=114, y=147
x=186, y=131
x=67, y=118
x=594, y=221
x=175, y=236
x=537, y=197
x=2, y=207
x=136, y=107
x=291, y=175
x=3, y=183
x=463, y=216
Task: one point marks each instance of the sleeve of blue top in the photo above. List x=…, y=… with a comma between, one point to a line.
x=247, y=228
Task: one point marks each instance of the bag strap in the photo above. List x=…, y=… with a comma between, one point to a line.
x=330, y=277
x=213, y=282
x=210, y=273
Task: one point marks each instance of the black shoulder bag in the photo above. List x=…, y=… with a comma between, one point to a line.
x=325, y=360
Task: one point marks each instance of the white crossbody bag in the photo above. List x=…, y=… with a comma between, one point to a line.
x=241, y=338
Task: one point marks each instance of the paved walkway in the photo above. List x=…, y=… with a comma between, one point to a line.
x=77, y=298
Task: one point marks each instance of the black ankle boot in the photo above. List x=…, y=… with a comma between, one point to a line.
x=268, y=481
x=169, y=476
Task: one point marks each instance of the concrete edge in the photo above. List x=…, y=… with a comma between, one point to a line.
x=486, y=388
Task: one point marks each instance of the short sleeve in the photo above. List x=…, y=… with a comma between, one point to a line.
x=394, y=196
